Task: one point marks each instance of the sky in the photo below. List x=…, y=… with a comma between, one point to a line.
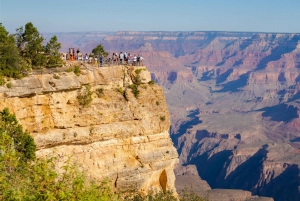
x=152, y=15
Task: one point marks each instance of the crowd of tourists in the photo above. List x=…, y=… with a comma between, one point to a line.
x=99, y=60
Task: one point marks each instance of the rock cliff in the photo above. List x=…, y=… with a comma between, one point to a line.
x=118, y=136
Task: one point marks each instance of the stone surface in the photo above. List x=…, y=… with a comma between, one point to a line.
x=126, y=141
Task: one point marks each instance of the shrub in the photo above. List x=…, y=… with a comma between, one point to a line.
x=69, y=70
x=121, y=91
x=2, y=81
x=134, y=89
x=23, y=142
x=85, y=97
x=9, y=85
x=138, y=71
x=99, y=92
x=151, y=82
x=77, y=70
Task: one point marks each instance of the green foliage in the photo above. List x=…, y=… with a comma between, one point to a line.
x=99, y=51
x=134, y=89
x=33, y=45
x=77, y=70
x=85, y=97
x=23, y=142
x=152, y=82
x=138, y=71
x=99, y=92
x=2, y=81
x=70, y=69
x=11, y=63
x=52, y=49
x=123, y=92
x=9, y=85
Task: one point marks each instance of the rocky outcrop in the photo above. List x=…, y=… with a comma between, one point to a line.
x=118, y=136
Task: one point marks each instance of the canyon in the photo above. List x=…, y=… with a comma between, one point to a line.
x=233, y=99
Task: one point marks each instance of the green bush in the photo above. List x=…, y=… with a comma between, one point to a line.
x=134, y=89
x=85, y=97
x=77, y=70
x=121, y=91
x=9, y=85
x=70, y=69
x=23, y=142
x=138, y=71
x=151, y=82
x=2, y=81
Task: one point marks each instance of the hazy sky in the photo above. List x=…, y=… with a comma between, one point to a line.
x=152, y=15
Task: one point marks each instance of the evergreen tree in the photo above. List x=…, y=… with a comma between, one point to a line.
x=52, y=49
x=33, y=43
x=99, y=51
x=11, y=63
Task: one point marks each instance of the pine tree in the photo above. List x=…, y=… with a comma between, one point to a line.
x=99, y=51
x=52, y=49
x=33, y=43
x=11, y=63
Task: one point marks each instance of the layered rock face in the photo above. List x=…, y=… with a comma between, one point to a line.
x=118, y=136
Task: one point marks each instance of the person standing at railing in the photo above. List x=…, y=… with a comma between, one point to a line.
x=87, y=57
x=125, y=58
x=101, y=61
x=141, y=60
x=96, y=61
x=138, y=59
x=121, y=57
x=134, y=60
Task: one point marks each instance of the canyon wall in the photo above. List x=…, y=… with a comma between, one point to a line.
x=119, y=136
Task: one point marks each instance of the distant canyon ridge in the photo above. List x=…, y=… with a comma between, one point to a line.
x=233, y=98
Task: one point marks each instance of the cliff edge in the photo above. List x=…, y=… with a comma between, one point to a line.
x=121, y=135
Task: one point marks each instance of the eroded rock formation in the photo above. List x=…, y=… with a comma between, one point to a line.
x=118, y=136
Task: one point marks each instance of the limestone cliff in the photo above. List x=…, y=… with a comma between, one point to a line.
x=118, y=136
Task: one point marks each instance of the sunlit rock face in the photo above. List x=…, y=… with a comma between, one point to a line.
x=117, y=136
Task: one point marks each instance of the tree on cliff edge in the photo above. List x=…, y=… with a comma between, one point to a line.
x=99, y=51
x=52, y=49
x=30, y=44
x=11, y=63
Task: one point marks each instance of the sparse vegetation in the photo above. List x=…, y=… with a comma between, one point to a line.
x=77, y=70
x=134, y=89
x=157, y=103
x=9, y=85
x=69, y=70
x=85, y=97
x=152, y=82
x=2, y=81
x=121, y=91
x=99, y=92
